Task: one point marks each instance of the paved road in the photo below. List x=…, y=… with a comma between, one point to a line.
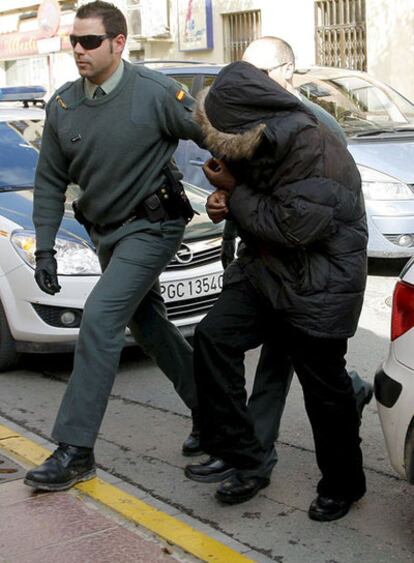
x=146, y=423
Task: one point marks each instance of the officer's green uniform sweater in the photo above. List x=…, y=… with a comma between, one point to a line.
x=114, y=147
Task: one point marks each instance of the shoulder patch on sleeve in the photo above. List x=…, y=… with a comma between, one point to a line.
x=178, y=91
x=62, y=104
x=180, y=95
x=56, y=97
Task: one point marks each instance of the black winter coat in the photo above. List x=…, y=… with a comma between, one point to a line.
x=299, y=207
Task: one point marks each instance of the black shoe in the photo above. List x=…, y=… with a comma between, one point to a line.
x=65, y=467
x=213, y=470
x=191, y=445
x=325, y=509
x=238, y=489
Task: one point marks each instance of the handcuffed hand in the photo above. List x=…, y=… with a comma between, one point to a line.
x=46, y=271
x=219, y=175
x=216, y=206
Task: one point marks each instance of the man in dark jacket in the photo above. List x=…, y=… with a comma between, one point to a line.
x=274, y=370
x=295, y=194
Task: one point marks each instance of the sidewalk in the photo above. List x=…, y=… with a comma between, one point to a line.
x=58, y=528
x=94, y=522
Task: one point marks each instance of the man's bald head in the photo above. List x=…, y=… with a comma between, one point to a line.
x=275, y=56
x=269, y=52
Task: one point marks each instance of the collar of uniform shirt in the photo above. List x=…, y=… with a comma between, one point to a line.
x=108, y=85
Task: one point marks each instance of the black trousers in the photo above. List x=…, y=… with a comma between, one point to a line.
x=242, y=320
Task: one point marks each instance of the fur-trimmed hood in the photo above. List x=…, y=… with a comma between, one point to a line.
x=230, y=146
x=235, y=112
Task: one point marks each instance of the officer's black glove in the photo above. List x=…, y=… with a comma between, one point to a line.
x=46, y=271
x=228, y=251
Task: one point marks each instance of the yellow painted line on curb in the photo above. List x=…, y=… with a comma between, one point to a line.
x=180, y=534
x=167, y=527
x=6, y=433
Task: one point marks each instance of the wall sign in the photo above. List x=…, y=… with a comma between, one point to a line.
x=48, y=16
x=195, y=27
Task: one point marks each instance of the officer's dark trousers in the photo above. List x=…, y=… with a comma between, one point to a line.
x=242, y=320
x=132, y=258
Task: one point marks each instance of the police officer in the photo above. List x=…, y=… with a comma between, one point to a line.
x=113, y=131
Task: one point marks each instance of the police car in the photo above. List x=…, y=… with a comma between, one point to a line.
x=32, y=321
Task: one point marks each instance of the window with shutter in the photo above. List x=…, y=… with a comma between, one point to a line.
x=240, y=29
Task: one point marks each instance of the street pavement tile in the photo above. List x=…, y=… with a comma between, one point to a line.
x=118, y=544
x=13, y=492
x=45, y=519
x=9, y=470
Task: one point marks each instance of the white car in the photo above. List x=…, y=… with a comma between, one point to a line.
x=32, y=321
x=394, y=380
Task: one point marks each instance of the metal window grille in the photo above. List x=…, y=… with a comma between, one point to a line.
x=341, y=33
x=240, y=28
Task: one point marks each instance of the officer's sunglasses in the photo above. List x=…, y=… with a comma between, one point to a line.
x=89, y=42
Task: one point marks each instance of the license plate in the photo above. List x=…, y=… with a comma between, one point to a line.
x=192, y=288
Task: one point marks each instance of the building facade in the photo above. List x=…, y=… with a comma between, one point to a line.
x=372, y=35
x=34, y=42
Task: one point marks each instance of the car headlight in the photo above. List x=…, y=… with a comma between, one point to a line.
x=379, y=186
x=74, y=258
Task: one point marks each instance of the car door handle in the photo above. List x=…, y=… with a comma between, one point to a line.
x=197, y=162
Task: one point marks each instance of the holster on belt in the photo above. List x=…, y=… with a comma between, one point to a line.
x=154, y=211
x=174, y=198
x=168, y=202
x=150, y=208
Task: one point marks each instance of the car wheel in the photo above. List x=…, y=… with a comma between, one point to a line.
x=8, y=353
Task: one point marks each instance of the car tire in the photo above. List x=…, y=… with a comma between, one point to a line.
x=8, y=352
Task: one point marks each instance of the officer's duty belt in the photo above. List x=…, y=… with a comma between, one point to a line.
x=152, y=208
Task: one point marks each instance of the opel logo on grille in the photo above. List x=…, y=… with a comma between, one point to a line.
x=184, y=254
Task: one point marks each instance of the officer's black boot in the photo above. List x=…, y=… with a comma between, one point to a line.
x=64, y=468
x=191, y=445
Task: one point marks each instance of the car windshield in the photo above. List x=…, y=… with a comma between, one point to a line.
x=361, y=106
x=19, y=149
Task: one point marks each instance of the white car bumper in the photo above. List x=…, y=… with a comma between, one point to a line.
x=34, y=317
x=20, y=295
x=394, y=392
